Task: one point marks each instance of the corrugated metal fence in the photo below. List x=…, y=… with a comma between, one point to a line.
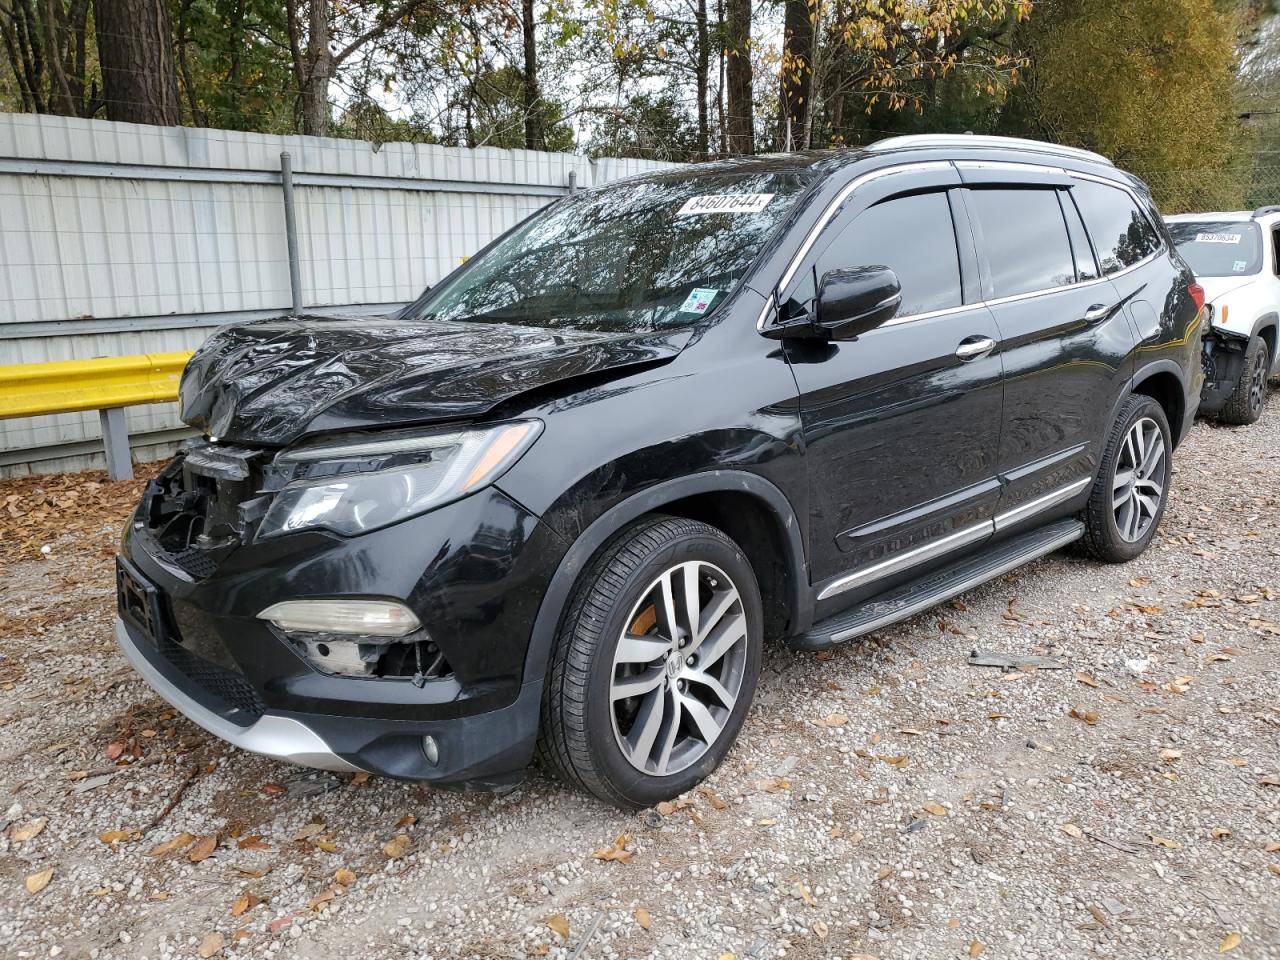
x=118, y=239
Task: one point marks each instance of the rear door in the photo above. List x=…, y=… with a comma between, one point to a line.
x=1066, y=340
x=902, y=424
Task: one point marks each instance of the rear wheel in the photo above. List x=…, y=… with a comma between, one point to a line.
x=1129, y=494
x=1250, y=396
x=655, y=665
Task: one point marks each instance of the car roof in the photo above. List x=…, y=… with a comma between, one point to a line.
x=820, y=163
x=1226, y=216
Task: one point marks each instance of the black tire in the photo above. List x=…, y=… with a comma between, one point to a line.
x=1250, y=396
x=1103, y=537
x=579, y=732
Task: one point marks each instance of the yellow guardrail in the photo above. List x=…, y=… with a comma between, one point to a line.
x=31, y=389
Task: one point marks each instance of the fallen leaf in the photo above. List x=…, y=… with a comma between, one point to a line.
x=345, y=877
x=20, y=833
x=203, y=849
x=310, y=830
x=38, y=881
x=1229, y=942
x=898, y=762
x=1163, y=842
x=211, y=944
x=328, y=846
x=254, y=842
x=766, y=821
x=114, y=750
x=1086, y=716
x=559, y=925
x=317, y=902
x=821, y=930
x=1071, y=830
x=407, y=820
x=1219, y=833
x=1269, y=781
x=642, y=917
x=279, y=923
x=1087, y=680
x=834, y=720
x=910, y=732
x=976, y=948
x=360, y=778
x=170, y=846
x=396, y=847
x=775, y=785
x=1168, y=753
x=716, y=802
x=937, y=809
x=1272, y=846
x=272, y=788
x=244, y=903
x=617, y=851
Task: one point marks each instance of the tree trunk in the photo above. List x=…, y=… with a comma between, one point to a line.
x=704, y=66
x=720, y=82
x=795, y=94
x=319, y=72
x=139, y=80
x=535, y=138
x=741, y=119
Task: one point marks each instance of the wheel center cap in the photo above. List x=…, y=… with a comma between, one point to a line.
x=674, y=663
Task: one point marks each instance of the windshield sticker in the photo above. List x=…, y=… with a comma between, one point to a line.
x=1219, y=237
x=725, y=203
x=1239, y=265
x=699, y=301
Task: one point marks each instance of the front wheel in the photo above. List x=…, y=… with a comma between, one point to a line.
x=1129, y=494
x=1250, y=395
x=655, y=664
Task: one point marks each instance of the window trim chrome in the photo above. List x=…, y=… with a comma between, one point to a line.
x=832, y=208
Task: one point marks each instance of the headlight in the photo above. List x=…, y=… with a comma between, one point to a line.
x=360, y=485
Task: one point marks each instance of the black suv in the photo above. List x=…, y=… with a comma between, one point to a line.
x=555, y=506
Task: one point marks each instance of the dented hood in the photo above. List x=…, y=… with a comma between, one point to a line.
x=273, y=381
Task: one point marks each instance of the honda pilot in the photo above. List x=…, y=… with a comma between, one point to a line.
x=554, y=508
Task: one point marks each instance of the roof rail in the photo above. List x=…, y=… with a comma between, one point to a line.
x=1269, y=208
x=978, y=140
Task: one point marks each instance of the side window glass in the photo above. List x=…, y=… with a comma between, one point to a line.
x=1275, y=246
x=914, y=237
x=1024, y=237
x=1121, y=232
x=1086, y=267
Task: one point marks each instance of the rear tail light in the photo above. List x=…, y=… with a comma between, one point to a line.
x=1197, y=294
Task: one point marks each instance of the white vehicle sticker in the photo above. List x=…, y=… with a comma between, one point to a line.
x=1219, y=237
x=725, y=203
x=1239, y=265
x=698, y=301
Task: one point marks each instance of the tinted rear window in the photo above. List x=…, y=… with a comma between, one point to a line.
x=1025, y=239
x=1122, y=234
x=1219, y=248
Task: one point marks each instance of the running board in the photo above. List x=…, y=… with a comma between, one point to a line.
x=919, y=595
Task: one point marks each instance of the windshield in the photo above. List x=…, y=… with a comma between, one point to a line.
x=639, y=256
x=1219, y=248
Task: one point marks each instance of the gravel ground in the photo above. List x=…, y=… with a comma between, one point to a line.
x=885, y=799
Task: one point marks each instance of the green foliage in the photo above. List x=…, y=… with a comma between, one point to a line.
x=649, y=126
x=1149, y=83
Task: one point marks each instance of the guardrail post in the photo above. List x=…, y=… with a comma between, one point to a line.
x=291, y=232
x=115, y=442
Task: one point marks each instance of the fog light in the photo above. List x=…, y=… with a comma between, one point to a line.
x=431, y=749
x=370, y=618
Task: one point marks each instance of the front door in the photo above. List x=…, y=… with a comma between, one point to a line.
x=901, y=425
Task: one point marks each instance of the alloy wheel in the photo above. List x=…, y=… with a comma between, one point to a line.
x=678, y=668
x=1138, y=486
x=1258, y=382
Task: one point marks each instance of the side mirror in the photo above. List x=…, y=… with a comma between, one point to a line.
x=851, y=302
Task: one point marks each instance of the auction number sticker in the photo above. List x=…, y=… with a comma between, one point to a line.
x=725, y=203
x=1219, y=237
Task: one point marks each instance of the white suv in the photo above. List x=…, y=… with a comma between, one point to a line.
x=1236, y=258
